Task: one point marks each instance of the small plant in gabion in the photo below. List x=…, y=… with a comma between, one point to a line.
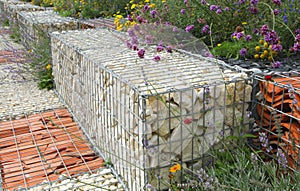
x=40, y=64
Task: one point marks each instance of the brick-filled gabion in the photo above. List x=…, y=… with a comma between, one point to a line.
x=277, y=112
x=31, y=24
x=146, y=115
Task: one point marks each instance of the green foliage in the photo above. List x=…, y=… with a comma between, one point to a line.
x=231, y=49
x=40, y=64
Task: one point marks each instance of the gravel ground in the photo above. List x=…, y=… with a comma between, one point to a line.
x=20, y=96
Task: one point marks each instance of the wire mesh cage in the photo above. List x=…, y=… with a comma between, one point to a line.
x=146, y=115
x=32, y=24
x=13, y=9
x=277, y=113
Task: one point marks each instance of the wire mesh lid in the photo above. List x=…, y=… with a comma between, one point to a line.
x=47, y=16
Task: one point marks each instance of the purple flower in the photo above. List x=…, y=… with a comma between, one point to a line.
x=153, y=13
x=281, y=158
x=131, y=33
x=253, y=2
x=139, y=19
x=219, y=11
x=243, y=52
x=141, y=53
x=146, y=8
x=297, y=31
x=159, y=48
x=169, y=49
x=175, y=29
x=226, y=9
x=208, y=54
x=276, y=12
x=213, y=7
x=134, y=47
x=129, y=18
x=296, y=47
x=156, y=58
x=271, y=37
x=205, y=29
x=239, y=35
x=182, y=11
x=128, y=44
x=253, y=10
x=277, y=47
x=241, y=1
x=276, y=64
x=264, y=29
x=285, y=20
x=248, y=37
x=168, y=24
x=185, y=1
x=255, y=31
x=277, y=2
x=297, y=38
x=203, y=2
x=189, y=28
x=148, y=39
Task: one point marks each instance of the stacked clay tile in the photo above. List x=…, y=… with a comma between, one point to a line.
x=279, y=111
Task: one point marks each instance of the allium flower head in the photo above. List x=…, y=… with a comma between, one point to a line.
x=156, y=58
x=264, y=29
x=240, y=35
x=146, y=8
x=205, y=29
x=141, y=53
x=189, y=28
x=243, y=52
x=213, y=7
x=169, y=49
x=219, y=11
x=276, y=12
x=276, y=64
x=182, y=11
x=253, y=10
x=277, y=2
x=153, y=13
x=159, y=48
x=248, y=37
x=253, y=2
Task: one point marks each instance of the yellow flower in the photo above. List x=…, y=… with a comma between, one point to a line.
x=244, y=23
x=147, y=1
x=262, y=56
x=119, y=27
x=175, y=168
x=261, y=41
x=133, y=6
x=266, y=45
x=48, y=67
x=152, y=5
x=266, y=52
x=119, y=16
x=257, y=48
x=256, y=56
x=219, y=45
x=270, y=58
x=163, y=1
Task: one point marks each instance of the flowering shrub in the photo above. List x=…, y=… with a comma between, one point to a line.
x=241, y=22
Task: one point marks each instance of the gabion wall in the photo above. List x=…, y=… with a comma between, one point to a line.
x=146, y=115
x=31, y=24
x=277, y=103
x=5, y=3
x=13, y=9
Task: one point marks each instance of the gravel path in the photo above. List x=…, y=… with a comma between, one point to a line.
x=20, y=96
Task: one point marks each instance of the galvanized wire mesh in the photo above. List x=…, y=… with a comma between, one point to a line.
x=147, y=115
x=277, y=113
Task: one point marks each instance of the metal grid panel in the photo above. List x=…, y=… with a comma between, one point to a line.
x=33, y=24
x=41, y=147
x=277, y=110
x=145, y=115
